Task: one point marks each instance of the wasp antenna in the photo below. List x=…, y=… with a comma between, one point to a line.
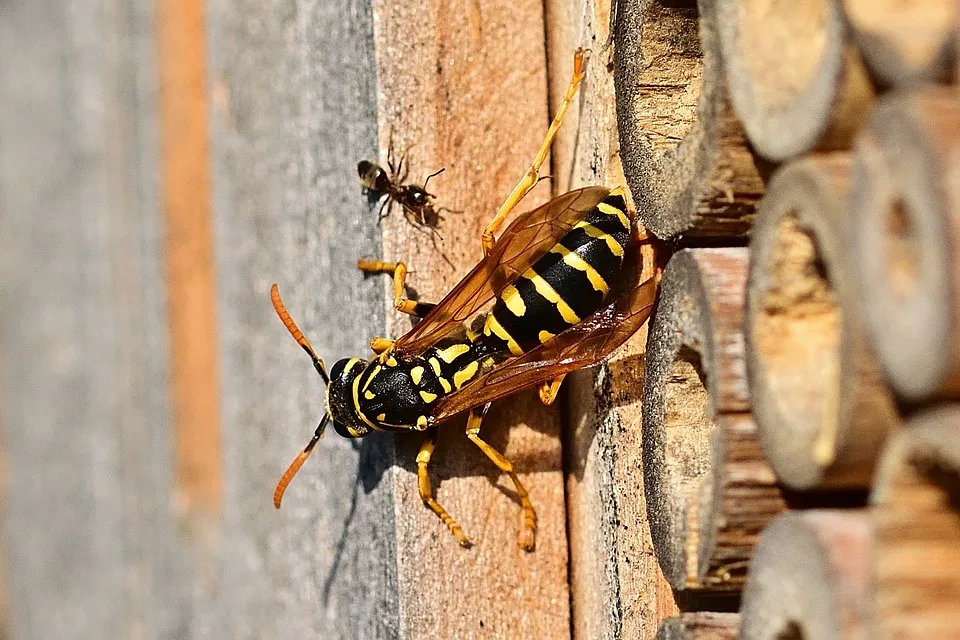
x=298, y=461
x=296, y=333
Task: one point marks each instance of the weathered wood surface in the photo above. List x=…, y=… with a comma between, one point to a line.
x=617, y=588
x=906, y=213
x=821, y=404
x=307, y=91
x=701, y=626
x=905, y=43
x=93, y=545
x=810, y=578
x=795, y=81
x=709, y=492
x=916, y=560
x=684, y=153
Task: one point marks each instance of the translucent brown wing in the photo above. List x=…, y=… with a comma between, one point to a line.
x=582, y=345
x=524, y=242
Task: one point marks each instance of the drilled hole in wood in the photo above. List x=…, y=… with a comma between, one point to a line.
x=790, y=631
x=901, y=249
x=669, y=84
x=782, y=42
x=797, y=335
x=687, y=439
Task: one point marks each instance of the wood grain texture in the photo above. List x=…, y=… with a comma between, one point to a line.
x=93, y=546
x=916, y=560
x=617, y=588
x=905, y=205
x=684, y=153
x=905, y=43
x=187, y=203
x=463, y=85
x=795, y=81
x=709, y=492
x=294, y=107
x=701, y=626
x=810, y=578
x=820, y=401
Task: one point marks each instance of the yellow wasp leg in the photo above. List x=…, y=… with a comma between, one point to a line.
x=399, y=271
x=380, y=345
x=549, y=390
x=529, y=533
x=426, y=491
x=532, y=176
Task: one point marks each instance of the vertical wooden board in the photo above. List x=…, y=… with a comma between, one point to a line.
x=463, y=85
x=293, y=86
x=617, y=587
x=92, y=545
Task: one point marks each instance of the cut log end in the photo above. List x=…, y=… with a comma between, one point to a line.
x=794, y=82
x=907, y=230
x=821, y=406
x=684, y=155
x=701, y=626
x=708, y=490
x=917, y=519
x=809, y=578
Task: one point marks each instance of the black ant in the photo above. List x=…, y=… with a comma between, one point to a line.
x=416, y=201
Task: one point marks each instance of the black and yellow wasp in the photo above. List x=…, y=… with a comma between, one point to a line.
x=569, y=282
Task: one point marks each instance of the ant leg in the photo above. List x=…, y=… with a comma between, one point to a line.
x=399, y=271
x=529, y=533
x=531, y=178
x=426, y=490
x=386, y=204
x=549, y=390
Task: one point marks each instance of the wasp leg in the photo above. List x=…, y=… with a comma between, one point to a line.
x=426, y=490
x=549, y=390
x=529, y=534
x=399, y=271
x=380, y=345
x=532, y=176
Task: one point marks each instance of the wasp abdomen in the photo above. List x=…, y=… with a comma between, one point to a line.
x=566, y=285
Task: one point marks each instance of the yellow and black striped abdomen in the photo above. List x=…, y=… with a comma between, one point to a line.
x=566, y=285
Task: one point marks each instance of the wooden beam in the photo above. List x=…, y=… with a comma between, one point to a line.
x=916, y=557
x=684, y=153
x=795, y=81
x=821, y=404
x=703, y=625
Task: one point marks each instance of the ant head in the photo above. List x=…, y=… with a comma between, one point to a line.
x=417, y=197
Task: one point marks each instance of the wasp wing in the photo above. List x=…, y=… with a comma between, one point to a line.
x=582, y=345
x=522, y=243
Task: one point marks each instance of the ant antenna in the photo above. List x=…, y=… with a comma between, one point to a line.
x=298, y=461
x=296, y=333
x=432, y=175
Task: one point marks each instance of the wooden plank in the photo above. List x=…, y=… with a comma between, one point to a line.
x=464, y=86
x=294, y=107
x=185, y=172
x=93, y=548
x=616, y=585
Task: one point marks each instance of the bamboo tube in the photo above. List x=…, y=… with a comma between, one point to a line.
x=821, y=406
x=684, y=153
x=709, y=492
x=809, y=579
x=917, y=519
x=795, y=81
x=705, y=625
x=905, y=208
x=905, y=43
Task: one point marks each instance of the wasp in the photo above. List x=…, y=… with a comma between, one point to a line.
x=568, y=283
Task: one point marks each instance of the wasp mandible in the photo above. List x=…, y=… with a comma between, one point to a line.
x=569, y=282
